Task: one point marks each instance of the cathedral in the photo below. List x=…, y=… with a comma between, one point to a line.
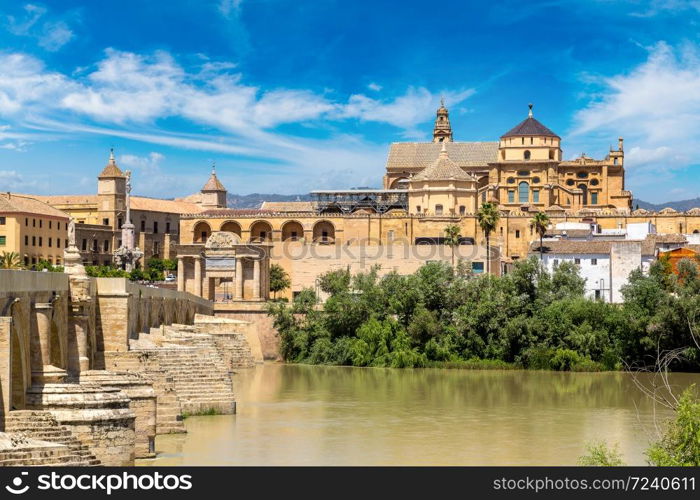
x=524, y=168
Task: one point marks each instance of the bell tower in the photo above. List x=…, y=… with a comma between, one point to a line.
x=442, y=132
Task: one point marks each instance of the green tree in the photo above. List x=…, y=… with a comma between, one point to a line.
x=540, y=222
x=279, y=279
x=488, y=216
x=680, y=443
x=10, y=260
x=599, y=454
x=452, y=239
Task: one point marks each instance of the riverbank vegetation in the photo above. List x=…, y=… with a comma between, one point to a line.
x=446, y=316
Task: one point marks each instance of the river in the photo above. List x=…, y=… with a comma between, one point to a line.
x=319, y=415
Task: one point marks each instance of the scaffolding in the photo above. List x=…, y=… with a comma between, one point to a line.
x=347, y=202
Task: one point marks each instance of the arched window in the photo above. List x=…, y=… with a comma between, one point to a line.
x=438, y=209
x=527, y=154
x=462, y=210
x=551, y=154
x=523, y=192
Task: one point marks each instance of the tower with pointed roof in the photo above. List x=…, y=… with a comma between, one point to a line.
x=442, y=131
x=111, y=193
x=213, y=193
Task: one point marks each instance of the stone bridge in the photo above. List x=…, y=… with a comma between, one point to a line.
x=58, y=333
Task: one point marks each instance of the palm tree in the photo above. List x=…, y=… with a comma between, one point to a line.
x=488, y=216
x=540, y=222
x=452, y=239
x=10, y=260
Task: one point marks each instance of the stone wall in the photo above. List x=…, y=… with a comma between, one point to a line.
x=261, y=333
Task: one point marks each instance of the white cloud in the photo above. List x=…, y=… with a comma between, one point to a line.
x=656, y=107
x=132, y=96
x=11, y=180
x=50, y=34
x=374, y=86
x=228, y=7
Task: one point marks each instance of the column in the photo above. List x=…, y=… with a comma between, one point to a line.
x=78, y=342
x=239, y=279
x=256, y=278
x=198, y=276
x=40, y=343
x=180, y=274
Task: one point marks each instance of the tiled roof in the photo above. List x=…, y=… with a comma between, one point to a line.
x=529, y=126
x=667, y=210
x=169, y=206
x=572, y=247
x=213, y=184
x=287, y=206
x=443, y=168
x=17, y=203
x=418, y=155
x=570, y=233
x=137, y=203
x=668, y=238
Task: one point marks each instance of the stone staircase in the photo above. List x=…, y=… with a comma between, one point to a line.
x=199, y=378
x=41, y=426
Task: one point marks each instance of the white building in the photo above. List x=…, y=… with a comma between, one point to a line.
x=605, y=265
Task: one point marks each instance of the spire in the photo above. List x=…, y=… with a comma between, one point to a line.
x=442, y=132
x=529, y=113
x=111, y=170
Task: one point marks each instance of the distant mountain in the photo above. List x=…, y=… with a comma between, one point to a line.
x=679, y=206
x=255, y=200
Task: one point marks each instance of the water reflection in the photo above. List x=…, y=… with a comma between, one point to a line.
x=316, y=415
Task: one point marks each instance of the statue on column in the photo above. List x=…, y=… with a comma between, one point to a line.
x=127, y=255
x=72, y=260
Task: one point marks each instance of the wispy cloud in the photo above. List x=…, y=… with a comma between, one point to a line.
x=51, y=35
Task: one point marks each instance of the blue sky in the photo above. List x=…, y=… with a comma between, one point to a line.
x=289, y=96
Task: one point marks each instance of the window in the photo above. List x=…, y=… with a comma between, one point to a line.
x=167, y=227
x=94, y=245
x=536, y=196
x=33, y=222
x=526, y=155
x=523, y=173
x=594, y=182
x=477, y=267
x=462, y=210
x=570, y=182
x=263, y=235
x=614, y=161
x=532, y=140
x=582, y=175
x=66, y=245
x=3, y=241
x=155, y=248
x=50, y=243
x=523, y=192
x=522, y=140
x=40, y=222
x=143, y=226
x=105, y=222
x=594, y=198
x=438, y=209
x=204, y=236
x=511, y=180
x=551, y=154
x=483, y=197
x=105, y=246
x=155, y=227
x=33, y=241
x=49, y=224
x=517, y=233
x=511, y=196
x=26, y=221
x=417, y=209
x=119, y=222
x=594, y=262
x=26, y=240
x=58, y=242
x=577, y=261
x=58, y=225
x=84, y=246
x=535, y=180
x=2, y=221
x=597, y=294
